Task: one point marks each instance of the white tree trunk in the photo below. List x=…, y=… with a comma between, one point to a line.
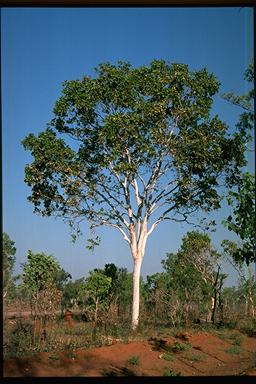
x=138, y=250
x=136, y=292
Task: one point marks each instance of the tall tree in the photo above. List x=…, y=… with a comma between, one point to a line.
x=131, y=148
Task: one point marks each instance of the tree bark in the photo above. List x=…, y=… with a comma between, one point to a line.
x=136, y=292
x=214, y=298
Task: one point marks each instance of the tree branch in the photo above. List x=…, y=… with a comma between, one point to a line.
x=125, y=237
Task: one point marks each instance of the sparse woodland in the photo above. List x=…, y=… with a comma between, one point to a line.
x=188, y=293
x=148, y=151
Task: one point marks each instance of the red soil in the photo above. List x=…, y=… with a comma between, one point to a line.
x=206, y=355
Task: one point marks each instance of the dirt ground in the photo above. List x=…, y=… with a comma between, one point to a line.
x=201, y=354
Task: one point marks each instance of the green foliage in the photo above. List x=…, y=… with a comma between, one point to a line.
x=39, y=271
x=19, y=340
x=40, y=277
x=237, y=339
x=168, y=357
x=96, y=290
x=127, y=121
x=196, y=357
x=97, y=284
x=234, y=350
x=177, y=347
x=243, y=219
x=134, y=360
x=73, y=294
x=62, y=278
x=8, y=257
x=196, y=256
x=246, y=102
x=128, y=144
x=184, y=289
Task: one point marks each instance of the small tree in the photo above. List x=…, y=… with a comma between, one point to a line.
x=124, y=293
x=96, y=288
x=233, y=255
x=193, y=271
x=163, y=299
x=131, y=148
x=39, y=279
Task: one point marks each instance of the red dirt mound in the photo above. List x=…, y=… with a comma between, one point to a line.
x=199, y=354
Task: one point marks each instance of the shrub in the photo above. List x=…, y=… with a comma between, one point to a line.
x=19, y=341
x=177, y=347
x=168, y=357
x=134, y=360
x=170, y=372
x=234, y=350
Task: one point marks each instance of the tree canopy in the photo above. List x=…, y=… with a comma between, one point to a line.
x=40, y=270
x=148, y=129
x=242, y=220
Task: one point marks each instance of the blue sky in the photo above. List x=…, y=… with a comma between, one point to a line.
x=42, y=47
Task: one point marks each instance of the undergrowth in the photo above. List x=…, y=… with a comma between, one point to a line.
x=20, y=341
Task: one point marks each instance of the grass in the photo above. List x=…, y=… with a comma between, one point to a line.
x=133, y=360
x=235, y=337
x=196, y=357
x=234, y=350
x=168, y=357
x=170, y=372
x=177, y=347
x=19, y=341
x=238, y=339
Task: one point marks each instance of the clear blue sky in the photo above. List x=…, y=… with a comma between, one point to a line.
x=42, y=47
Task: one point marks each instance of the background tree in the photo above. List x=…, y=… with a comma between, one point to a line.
x=71, y=294
x=8, y=262
x=8, y=258
x=195, y=269
x=96, y=289
x=131, y=148
x=246, y=102
x=232, y=252
x=39, y=278
x=242, y=221
x=61, y=278
x=189, y=288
